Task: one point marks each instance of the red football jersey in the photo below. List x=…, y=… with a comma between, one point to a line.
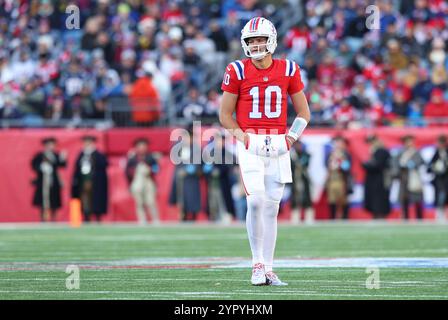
x=262, y=93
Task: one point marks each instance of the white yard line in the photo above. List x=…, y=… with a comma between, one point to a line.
x=289, y=293
x=224, y=280
x=232, y=263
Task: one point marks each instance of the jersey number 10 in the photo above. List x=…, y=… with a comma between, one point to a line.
x=255, y=93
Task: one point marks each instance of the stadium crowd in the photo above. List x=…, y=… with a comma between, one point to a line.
x=171, y=55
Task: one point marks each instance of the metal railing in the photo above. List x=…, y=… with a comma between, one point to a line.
x=131, y=112
x=121, y=114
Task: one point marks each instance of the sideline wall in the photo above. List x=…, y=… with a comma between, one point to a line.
x=19, y=145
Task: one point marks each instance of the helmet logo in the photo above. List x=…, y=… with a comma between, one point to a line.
x=254, y=24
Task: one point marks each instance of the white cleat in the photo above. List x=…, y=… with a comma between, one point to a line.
x=273, y=280
x=258, y=275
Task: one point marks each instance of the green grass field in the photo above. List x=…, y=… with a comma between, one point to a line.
x=324, y=261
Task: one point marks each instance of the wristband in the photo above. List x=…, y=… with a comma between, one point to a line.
x=297, y=128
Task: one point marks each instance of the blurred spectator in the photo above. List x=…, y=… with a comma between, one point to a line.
x=396, y=57
x=197, y=13
x=193, y=65
x=147, y=29
x=159, y=80
x=103, y=42
x=23, y=68
x=301, y=187
x=173, y=14
x=221, y=42
x=217, y=171
x=411, y=75
x=422, y=89
x=437, y=107
x=388, y=15
x=439, y=76
x=400, y=108
x=362, y=94
x=375, y=115
x=185, y=190
x=205, y=47
x=88, y=39
x=141, y=169
x=171, y=65
x=409, y=42
x=47, y=195
x=438, y=166
x=298, y=41
x=82, y=104
x=106, y=80
x=128, y=64
x=344, y=114
x=161, y=37
x=339, y=180
x=415, y=116
x=378, y=180
x=74, y=79
x=32, y=101
x=355, y=28
x=193, y=106
x=437, y=55
x=144, y=100
x=9, y=96
x=218, y=36
x=55, y=106
x=47, y=68
x=407, y=170
x=90, y=183
x=213, y=104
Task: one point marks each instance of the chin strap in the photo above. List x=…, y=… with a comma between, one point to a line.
x=297, y=128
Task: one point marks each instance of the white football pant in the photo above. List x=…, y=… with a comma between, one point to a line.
x=264, y=180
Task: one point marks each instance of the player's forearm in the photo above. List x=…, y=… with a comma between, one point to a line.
x=302, y=108
x=229, y=123
x=228, y=104
x=303, y=116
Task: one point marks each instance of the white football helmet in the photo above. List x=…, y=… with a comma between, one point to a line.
x=259, y=27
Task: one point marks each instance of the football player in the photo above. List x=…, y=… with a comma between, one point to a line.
x=256, y=89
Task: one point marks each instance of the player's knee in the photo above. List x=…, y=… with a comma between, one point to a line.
x=274, y=195
x=271, y=208
x=255, y=194
x=255, y=201
x=274, y=190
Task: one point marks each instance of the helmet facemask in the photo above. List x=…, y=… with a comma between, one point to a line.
x=255, y=51
x=269, y=47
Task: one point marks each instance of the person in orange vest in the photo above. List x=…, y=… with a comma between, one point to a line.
x=144, y=100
